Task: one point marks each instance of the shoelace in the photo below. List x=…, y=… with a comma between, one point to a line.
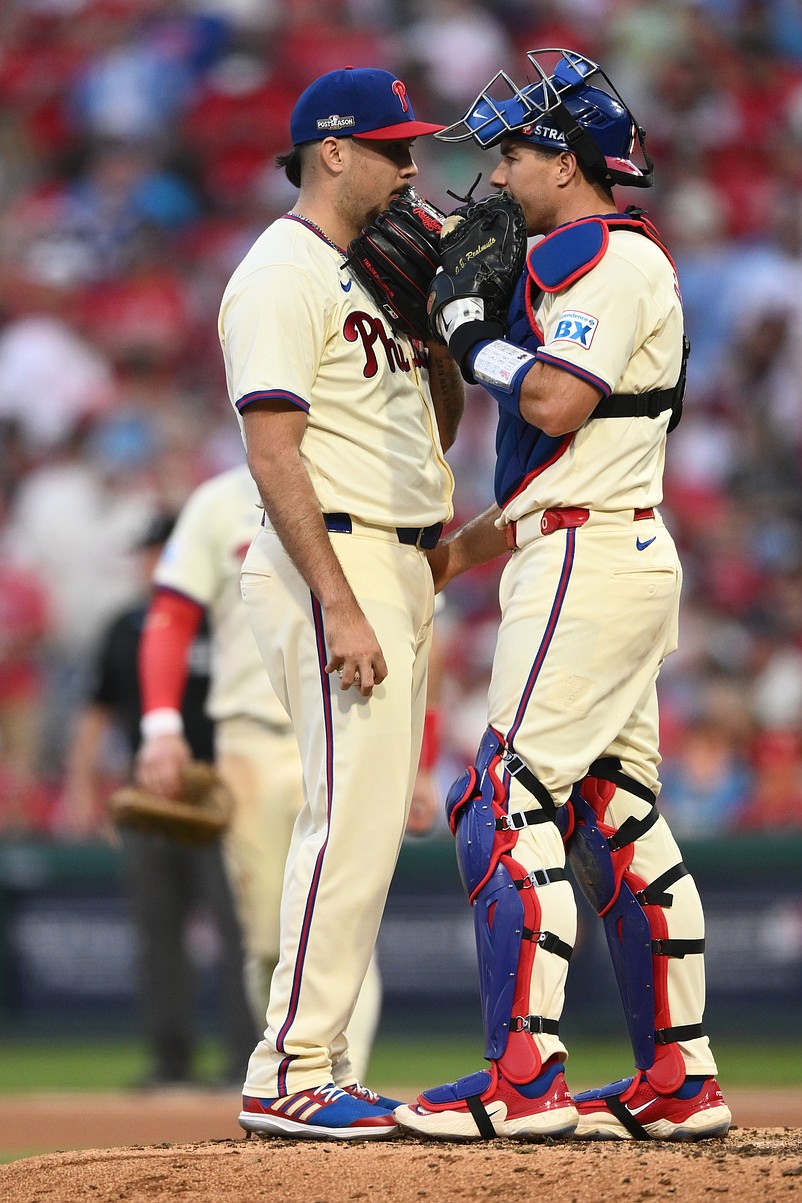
x=329, y=1093
x=369, y=1095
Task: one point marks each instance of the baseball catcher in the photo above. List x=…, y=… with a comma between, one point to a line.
x=580, y=342
x=199, y=815
x=395, y=259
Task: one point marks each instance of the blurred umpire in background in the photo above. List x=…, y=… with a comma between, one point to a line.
x=166, y=881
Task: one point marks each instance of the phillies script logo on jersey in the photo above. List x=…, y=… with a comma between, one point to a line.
x=374, y=336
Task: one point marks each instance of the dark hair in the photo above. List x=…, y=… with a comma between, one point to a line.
x=551, y=152
x=291, y=162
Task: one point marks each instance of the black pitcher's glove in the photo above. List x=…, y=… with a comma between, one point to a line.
x=482, y=255
x=199, y=815
x=395, y=258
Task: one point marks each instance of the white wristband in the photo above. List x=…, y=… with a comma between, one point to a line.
x=457, y=312
x=161, y=722
x=500, y=363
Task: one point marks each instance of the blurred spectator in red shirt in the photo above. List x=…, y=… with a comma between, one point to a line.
x=24, y=623
x=775, y=803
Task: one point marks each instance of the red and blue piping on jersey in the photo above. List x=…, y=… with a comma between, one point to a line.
x=272, y=394
x=574, y=370
x=308, y=225
x=306, y=925
x=548, y=634
x=562, y=445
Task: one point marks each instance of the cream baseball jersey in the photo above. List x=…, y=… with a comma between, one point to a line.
x=619, y=327
x=202, y=561
x=295, y=326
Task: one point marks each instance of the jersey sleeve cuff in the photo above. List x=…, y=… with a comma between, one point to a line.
x=566, y=366
x=274, y=394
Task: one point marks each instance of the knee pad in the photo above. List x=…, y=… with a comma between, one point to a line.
x=633, y=913
x=506, y=910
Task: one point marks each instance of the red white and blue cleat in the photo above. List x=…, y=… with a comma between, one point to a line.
x=484, y=1105
x=632, y=1110
x=321, y=1113
x=358, y=1091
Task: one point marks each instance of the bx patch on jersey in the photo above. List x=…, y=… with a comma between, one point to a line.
x=575, y=327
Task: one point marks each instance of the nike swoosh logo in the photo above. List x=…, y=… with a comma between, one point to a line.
x=637, y=1110
x=641, y=547
x=346, y=285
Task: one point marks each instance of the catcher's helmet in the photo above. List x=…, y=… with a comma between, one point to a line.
x=563, y=110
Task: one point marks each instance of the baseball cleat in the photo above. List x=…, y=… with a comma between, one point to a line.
x=323, y=1113
x=632, y=1110
x=358, y=1091
x=485, y=1105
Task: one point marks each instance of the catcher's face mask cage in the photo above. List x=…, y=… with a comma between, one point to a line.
x=564, y=110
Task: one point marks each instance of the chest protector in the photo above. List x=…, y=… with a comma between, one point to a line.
x=568, y=254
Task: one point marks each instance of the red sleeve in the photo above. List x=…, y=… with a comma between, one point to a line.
x=171, y=625
x=431, y=739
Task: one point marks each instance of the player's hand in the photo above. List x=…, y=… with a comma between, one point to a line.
x=425, y=804
x=159, y=763
x=354, y=651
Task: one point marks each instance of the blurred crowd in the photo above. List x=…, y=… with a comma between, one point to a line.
x=137, y=146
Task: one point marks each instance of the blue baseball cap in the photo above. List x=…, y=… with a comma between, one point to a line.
x=356, y=102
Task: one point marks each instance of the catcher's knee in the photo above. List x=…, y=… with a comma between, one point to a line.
x=477, y=808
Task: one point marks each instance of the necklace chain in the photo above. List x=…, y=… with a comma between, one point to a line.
x=308, y=221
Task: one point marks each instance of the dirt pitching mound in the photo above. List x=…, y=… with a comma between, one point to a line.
x=750, y=1164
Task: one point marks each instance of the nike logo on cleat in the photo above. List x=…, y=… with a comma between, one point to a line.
x=345, y=285
x=641, y=546
x=643, y=1106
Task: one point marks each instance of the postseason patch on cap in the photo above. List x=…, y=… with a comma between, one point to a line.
x=335, y=122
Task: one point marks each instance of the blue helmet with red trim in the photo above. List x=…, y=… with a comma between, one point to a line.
x=563, y=110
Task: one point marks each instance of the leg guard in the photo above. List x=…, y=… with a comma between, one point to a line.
x=633, y=912
x=505, y=907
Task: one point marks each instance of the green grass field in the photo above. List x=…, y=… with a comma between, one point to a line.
x=34, y=1064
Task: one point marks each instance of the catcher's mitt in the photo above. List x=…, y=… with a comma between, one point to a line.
x=199, y=816
x=482, y=254
x=395, y=258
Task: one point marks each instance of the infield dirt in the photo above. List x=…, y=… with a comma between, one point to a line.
x=187, y=1147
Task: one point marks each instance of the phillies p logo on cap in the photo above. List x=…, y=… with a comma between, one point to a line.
x=358, y=102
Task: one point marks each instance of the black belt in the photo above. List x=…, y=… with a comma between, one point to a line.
x=415, y=536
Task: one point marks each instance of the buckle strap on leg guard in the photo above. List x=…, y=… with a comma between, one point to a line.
x=632, y=829
x=691, y=1031
x=550, y=942
x=608, y=768
x=535, y=1025
x=520, y=819
x=516, y=767
x=654, y=894
x=677, y=948
x=539, y=877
